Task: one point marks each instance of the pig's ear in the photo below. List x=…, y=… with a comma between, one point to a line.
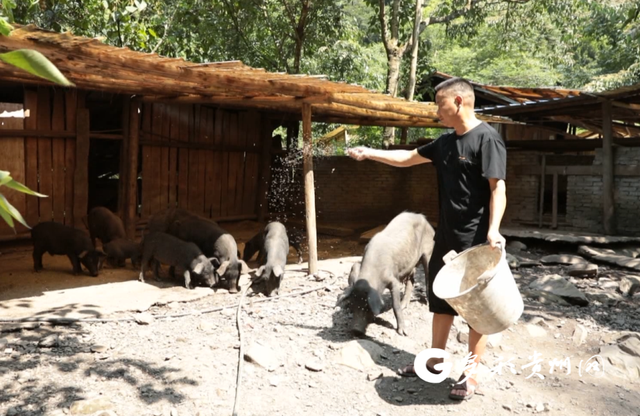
x=198, y=268
x=375, y=301
x=81, y=255
x=244, y=269
x=214, y=261
x=278, y=271
x=223, y=267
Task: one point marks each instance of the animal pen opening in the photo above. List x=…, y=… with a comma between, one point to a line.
x=104, y=173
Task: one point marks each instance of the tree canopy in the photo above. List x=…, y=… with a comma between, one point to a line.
x=588, y=44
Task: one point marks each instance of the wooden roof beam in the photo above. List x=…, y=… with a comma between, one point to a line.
x=158, y=67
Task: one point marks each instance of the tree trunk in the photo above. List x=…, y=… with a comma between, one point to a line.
x=300, y=36
x=409, y=92
x=414, y=51
x=393, y=76
x=393, y=73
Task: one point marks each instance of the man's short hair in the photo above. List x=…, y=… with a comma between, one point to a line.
x=458, y=86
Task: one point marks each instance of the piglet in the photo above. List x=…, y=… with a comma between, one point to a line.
x=120, y=249
x=273, y=246
x=164, y=248
x=105, y=225
x=59, y=239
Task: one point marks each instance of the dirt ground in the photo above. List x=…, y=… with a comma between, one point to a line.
x=182, y=359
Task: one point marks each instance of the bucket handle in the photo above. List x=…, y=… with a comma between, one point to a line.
x=449, y=256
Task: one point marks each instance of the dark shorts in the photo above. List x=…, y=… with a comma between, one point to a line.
x=437, y=305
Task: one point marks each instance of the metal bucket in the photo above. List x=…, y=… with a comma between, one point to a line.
x=478, y=284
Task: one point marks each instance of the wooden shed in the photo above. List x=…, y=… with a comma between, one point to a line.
x=196, y=136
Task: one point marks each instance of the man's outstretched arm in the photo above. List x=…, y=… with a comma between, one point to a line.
x=398, y=158
x=497, y=207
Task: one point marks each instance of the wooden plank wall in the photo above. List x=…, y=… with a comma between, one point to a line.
x=199, y=158
x=44, y=164
x=12, y=160
x=520, y=132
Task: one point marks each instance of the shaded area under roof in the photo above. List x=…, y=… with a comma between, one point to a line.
x=93, y=65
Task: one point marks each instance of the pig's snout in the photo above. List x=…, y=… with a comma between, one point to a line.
x=359, y=324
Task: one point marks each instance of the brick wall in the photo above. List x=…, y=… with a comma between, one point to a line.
x=584, y=197
x=584, y=203
x=350, y=190
x=522, y=190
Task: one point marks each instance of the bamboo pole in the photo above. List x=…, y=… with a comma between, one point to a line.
x=309, y=191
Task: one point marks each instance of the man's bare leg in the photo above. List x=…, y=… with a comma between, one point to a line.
x=440, y=329
x=477, y=345
x=439, y=335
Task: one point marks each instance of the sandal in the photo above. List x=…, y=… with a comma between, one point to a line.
x=470, y=385
x=409, y=371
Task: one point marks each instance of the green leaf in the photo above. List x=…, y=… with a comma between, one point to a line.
x=5, y=180
x=5, y=27
x=4, y=204
x=7, y=218
x=4, y=174
x=8, y=6
x=153, y=33
x=131, y=9
x=21, y=188
x=35, y=63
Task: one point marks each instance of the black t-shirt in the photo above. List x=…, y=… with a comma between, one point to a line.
x=464, y=164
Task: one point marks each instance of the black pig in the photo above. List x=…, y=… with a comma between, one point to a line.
x=389, y=260
x=253, y=246
x=209, y=237
x=167, y=249
x=273, y=249
x=105, y=225
x=59, y=239
x=120, y=249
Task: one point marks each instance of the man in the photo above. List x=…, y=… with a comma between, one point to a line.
x=471, y=169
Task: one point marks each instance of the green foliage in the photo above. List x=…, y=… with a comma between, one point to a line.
x=591, y=44
x=35, y=63
x=352, y=61
x=7, y=211
x=587, y=44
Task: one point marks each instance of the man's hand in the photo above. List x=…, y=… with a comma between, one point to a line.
x=496, y=238
x=358, y=153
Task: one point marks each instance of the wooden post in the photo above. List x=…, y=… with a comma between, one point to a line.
x=554, y=210
x=542, y=180
x=131, y=209
x=81, y=173
x=309, y=190
x=124, y=161
x=608, y=202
